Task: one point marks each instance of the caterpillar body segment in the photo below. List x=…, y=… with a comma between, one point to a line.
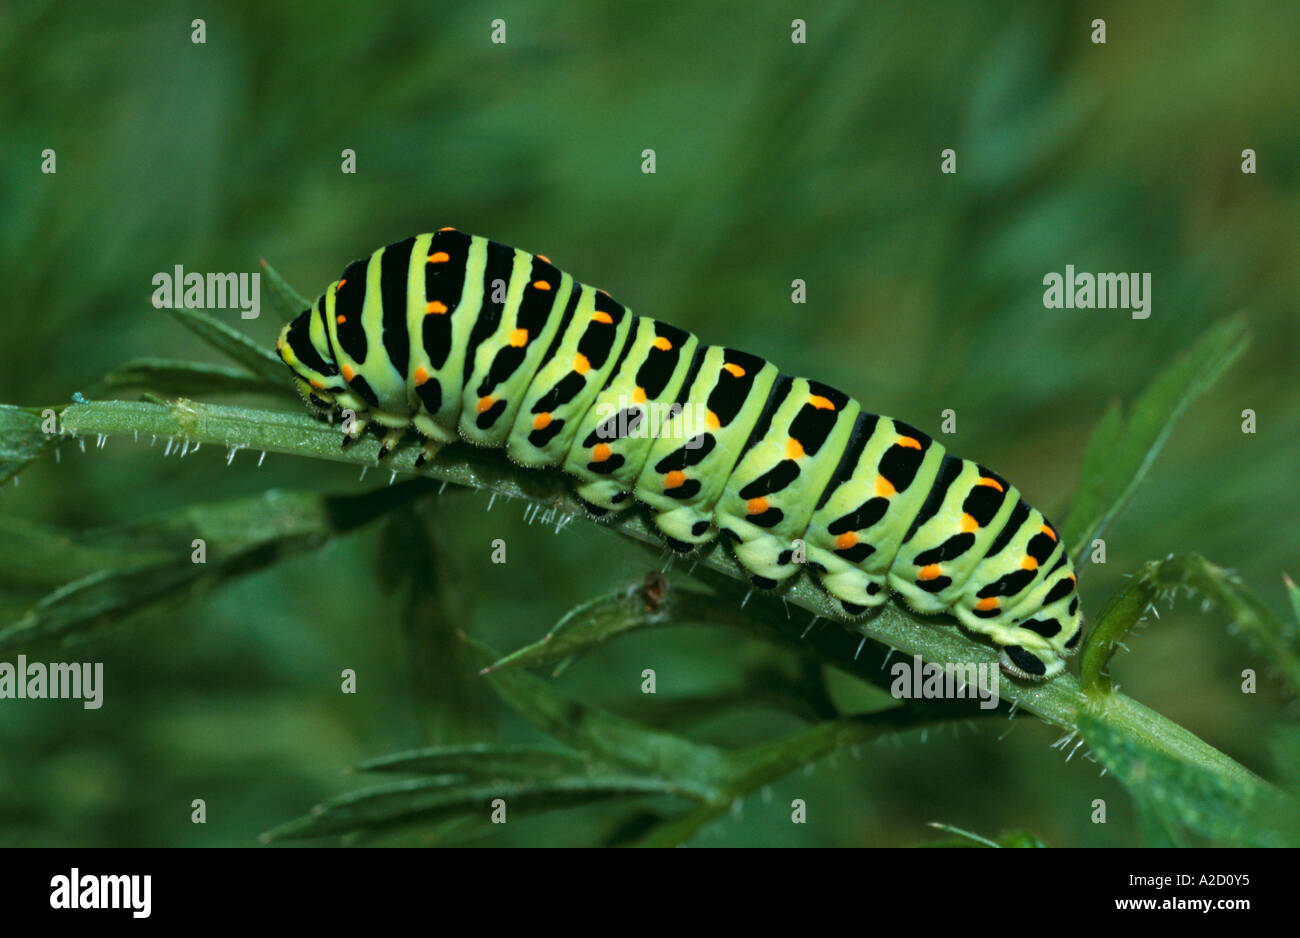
x=615, y=436
x=465, y=338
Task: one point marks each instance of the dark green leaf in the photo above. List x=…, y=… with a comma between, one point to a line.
x=382, y=807
x=454, y=703
x=23, y=439
x=1121, y=451
x=481, y=762
x=968, y=839
x=286, y=302
x=1172, y=793
x=168, y=376
x=241, y=348
x=240, y=535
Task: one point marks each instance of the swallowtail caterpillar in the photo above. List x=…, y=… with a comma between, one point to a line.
x=465, y=338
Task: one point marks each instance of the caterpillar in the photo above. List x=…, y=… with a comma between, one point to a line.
x=465, y=338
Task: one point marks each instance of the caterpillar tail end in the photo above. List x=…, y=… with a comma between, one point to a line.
x=1036, y=664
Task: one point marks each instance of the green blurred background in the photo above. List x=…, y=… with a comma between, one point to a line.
x=775, y=161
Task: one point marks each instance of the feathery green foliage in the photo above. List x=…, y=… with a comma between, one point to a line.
x=611, y=757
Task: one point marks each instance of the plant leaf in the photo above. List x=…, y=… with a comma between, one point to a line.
x=691, y=765
x=1293, y=592
x=428, y=800
x=286, y=302
x=1172, y=793
x=652, y=603
x=454, y=703
x=241, y=348
x=1122, y=612
x=22, y=439
x=240, y=535
x=171, y=376
x=1121, y=452
x=481, y=761
x=1277, y=640
x=969, y=839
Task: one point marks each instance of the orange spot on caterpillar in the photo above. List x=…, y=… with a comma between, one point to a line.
x=989, y=602
x=885, y=488
x=756, y=506
x=348, y=373
x=541, y=421
x=439, y=257
x=602, y=316
x=909, y=442
x=339, y=286
x=734, y=370
x=639, y=395
x=674, y=479
x=794, y=449
x=421, y=375
x=821, y=403
x=435, y=308
x=317, y=383
x=580, y=364
x=711, y=421
x=519, y=338
x=663, y=344
x=969, y=524
x=1047, y=529
x=543, y=257
x=600, y=452
x=1074, y=579
x=340, y=319
x=846, y=540
x=541, y=285
x=1029, y=563
x=485, y=403
x=929, y=573
x=992, y=483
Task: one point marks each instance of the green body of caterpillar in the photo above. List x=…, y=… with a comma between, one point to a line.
x=465, y=338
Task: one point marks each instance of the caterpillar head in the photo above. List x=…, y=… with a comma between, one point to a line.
x=304, y=346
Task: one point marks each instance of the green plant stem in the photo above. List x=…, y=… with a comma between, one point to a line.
x=935, y=639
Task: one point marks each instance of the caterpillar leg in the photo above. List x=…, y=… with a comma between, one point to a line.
x=427, y=452
x=359, y=425
x=603, y=497
x=855, y=590
x=390, y=441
